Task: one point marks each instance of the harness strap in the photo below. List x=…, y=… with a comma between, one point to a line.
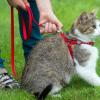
x=71, y=42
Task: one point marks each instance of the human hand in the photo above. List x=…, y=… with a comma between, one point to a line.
x=18, y=3
x=47, y=17
x=51, y=23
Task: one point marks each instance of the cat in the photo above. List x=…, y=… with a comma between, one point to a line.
x=50, y=67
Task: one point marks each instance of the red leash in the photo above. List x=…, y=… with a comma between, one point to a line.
x=26, y=35
x=12, y=42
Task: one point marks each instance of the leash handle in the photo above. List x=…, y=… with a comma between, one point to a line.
x=26, y=35
x=12, y=42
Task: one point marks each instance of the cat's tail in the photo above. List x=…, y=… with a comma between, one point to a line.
x=45, y=92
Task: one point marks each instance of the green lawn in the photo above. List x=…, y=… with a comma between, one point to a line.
x=67, y=11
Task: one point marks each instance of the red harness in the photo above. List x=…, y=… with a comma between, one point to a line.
x=72, y=42
x=26, y=35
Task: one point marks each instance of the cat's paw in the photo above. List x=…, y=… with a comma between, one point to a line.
x=96, y=82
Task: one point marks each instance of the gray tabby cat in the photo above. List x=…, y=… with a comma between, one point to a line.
x=49, y=67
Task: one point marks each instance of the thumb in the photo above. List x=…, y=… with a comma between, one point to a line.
x=42, y=20
x=58, y=24
x=22, y=4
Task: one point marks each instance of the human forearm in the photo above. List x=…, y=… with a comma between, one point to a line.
x=44, y=6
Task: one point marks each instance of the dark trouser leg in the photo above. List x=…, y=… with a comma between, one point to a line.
x=1, y=63
x=2, y=68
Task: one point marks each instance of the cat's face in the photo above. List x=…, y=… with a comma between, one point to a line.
x=87, y=24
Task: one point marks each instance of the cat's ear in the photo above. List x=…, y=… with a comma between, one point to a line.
x=95, y=11
x=83, y=14
x=83, y=17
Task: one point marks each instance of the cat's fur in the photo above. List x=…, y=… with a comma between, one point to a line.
x=50, y=67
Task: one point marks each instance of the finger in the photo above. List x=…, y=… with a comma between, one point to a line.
x=42, y=30
x=54, y=29
x=42, y=20
x=46, y=27
x=11, y=3
x=59, y=24
x=17, y=3
x=50, y=27
x=21, y=4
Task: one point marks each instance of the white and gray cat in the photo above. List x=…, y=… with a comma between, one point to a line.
x=49, y=67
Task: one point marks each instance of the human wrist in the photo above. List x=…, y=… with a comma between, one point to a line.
x=46, y=13
x=44, y=6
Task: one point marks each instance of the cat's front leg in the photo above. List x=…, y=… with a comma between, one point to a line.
x=88, y=74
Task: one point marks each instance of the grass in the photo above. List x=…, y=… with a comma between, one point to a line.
x=67, y=11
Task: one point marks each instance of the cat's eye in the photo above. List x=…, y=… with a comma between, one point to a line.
x=94, y=26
